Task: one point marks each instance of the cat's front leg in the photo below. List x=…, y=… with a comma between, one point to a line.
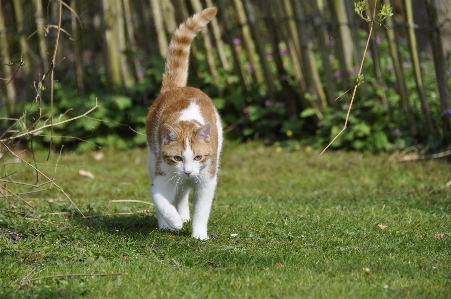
x=163, y=195
x=182, y=204
x=203, y=199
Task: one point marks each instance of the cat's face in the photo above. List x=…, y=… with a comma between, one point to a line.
x=187, y=149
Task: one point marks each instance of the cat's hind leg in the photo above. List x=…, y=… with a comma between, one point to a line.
x=163, y=195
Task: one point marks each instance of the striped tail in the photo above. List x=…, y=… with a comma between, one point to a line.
x=176, y=70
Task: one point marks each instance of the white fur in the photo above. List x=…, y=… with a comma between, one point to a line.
x=192, y=113
x=174, y=188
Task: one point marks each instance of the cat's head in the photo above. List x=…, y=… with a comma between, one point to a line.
x=187, y=147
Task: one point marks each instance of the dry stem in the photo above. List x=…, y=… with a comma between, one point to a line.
x=356, y=85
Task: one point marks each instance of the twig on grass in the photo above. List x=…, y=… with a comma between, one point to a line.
x=24, y=281
x=128, y=200
x=416, y=156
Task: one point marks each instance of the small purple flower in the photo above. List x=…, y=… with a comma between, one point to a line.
x=249, y=68
x=391, y=68
x=369, y=53
x=140, y=74
x=245, y=110
x=267, y=103
x=397, y=131
x=331, y=42
x=449, y=112
x=337, y=75
x=236, y=41
x=279, y=105
x=284, y=52
x=378, y=40
x=353, y=72
x=69, y=72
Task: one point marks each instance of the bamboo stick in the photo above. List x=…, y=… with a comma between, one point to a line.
x=416, y=66
x=287, y=94
x=284, y=32
x=397, y=65
x=20, y=23
x=119, y=28
x=268, y=76
x=78, y=59
x=218, y=40
x=207, y=45
x=7, y=69
x=168, y=12
x=40, y=20
x=238, y=67
x=248, y=42
x=114, y=61
x=131, y=39
x=440, y=71
x=345, y=32
x=321, y=32
x=292, y=49
x=159, y=26
x=309, y=64
x=338, y=45
x=355, y=45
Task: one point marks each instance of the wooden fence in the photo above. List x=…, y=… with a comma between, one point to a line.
x=285, y=47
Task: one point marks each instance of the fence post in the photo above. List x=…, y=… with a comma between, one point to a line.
x=439, y=63
x=416, y=65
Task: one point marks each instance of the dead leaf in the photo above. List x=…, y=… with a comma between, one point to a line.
x=441, y=236
x=367, y=270
x=380, y=225
x=98, y=156
x=280, y=265
x=448, y=185
x=86, y=173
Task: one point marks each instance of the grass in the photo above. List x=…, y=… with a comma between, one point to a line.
x=285, y=225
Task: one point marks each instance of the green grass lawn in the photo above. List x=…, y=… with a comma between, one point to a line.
x=284, y=225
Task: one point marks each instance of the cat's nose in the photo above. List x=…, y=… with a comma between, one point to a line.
x=188, y=172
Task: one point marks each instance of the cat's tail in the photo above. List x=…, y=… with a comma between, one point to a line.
x=176, y=70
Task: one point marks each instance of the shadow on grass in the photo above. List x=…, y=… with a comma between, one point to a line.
x=133, y=225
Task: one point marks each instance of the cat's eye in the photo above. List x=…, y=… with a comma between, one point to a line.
x=197, y=158
x=178, y=158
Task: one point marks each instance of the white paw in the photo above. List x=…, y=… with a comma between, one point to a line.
x=173, y=224
x=185, y=220
x=199, y=236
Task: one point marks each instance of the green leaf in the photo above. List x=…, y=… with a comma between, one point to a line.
x=307, y=112
x=362, y=129
x=219, y=103
x=123, y=102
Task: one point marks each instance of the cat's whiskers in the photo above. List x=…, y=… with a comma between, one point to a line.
x=170, y=179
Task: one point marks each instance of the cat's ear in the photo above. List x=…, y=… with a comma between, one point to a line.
x=169, y=134
x=204, y=133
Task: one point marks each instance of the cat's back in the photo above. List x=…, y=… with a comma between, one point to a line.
x=181, y=104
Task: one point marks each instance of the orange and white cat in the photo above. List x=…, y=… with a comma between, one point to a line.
x=184, y=135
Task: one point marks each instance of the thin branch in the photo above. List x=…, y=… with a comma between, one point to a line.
x=44, y=175
x=15, y=195
x=50, y=125
x=357, y=85
x=128, y=200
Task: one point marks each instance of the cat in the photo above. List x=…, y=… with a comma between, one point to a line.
x=184, y=137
